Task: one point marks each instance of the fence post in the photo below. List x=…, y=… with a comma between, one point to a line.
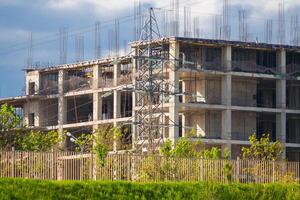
x=59, y=167
x=201, y=170
x=132, y=172
x=94, y=171
x=91, y=170
x=237, y=170
x=114, y=166
x=53, y=166
x=13, y=162
x=273, y=175
x=128, y=167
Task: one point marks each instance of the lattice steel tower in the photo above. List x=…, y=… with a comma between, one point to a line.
x=151, y=56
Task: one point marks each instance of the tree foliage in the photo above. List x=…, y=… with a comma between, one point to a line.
x=104, y=141
x=84, y=142
x=38, y=140
x=14, y=134
x=262, y=149
x=189, y=149
x=10, y=125
x=8, y=118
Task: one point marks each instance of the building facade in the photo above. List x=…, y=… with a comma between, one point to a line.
x=225, y=90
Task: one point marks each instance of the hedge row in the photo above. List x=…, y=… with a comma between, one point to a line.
x=37, y=189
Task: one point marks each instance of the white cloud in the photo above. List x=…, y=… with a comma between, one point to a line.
x=101, y=6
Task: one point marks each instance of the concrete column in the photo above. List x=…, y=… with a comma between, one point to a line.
x=281, y=84
x=116, y=99
x=117, y=104
x=117, y=72
x=281, y=93
x=97, y=76
x=281, y=99
x=174, y=80
x=226, y=96
x=97, y=107
x=226, y=124
x=97, y=99
x=62, y=104
x=38, y=113
x=227, y=58
x=281, y=61
x=281, y=130
x=226, y=90
x=183, y=121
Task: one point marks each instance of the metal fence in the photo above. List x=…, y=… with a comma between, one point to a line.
x=142, y=168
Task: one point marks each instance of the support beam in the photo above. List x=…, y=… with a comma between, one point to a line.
x=183, y=124
x=97, y=99
x=281, y=127
x=174, y=100
x=226, y=124
x=62, y=104
x=281, y=84
x=117, y=104
x=117, y=113
x=226, y=95
x=117, y=72
x=226, y=90
x=281, y=100
x=227, y=58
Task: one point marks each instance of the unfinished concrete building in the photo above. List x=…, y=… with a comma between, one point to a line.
x=225, y=90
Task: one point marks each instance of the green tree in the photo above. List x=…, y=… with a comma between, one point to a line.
x=14, y=134
x=189, y=149
x=262, y=149
x=104, y=141
x=10, y=126
x=84, y=142
x=8, y=118
x=185, y=148
x=166, y=148
x=38, y=140
x=215, y=153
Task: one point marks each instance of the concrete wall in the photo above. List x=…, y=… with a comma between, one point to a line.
x=32, y=107
x=197, y=120
x=207, y=123
x=32, y=76
x=205, y=90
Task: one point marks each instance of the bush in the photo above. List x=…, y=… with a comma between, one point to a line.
x=38, y=189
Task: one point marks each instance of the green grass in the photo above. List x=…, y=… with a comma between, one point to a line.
x=38, y=189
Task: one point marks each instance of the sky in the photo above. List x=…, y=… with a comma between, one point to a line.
x=44, y=18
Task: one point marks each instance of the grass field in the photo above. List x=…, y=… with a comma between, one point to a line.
x=38, y=189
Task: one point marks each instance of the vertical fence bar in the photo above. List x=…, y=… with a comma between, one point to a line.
x=79, y=166
x=13, y=162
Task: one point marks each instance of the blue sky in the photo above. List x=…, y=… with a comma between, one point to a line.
x=44, y=18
